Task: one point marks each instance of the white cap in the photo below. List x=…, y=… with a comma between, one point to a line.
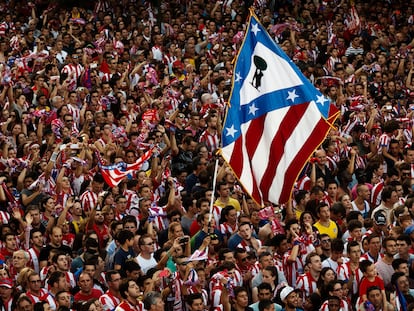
x=286, y=292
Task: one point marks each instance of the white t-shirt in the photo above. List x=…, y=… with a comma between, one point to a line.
x=146, y=264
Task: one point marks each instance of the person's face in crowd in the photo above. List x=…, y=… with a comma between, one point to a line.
x=90, y=269
x=25, y=305
x=354, y=253
x=268, y=277
x=197, y=305
x=403, y=268
x=242, y=299
x=390, y=248
x=245, y=231
x=232, y=216
x=315, y=264
x=130, y=226
x=403, y=284
x=264, y=294
x=224, y=191
x=332, y=190
x=333, y=304
x=11, y=242
x=56, y=236
x=99, y=218
x=97, y=187
x=229, y=257
x=96, y=306
x=375, y=297
x=133, y=290
x=402, y=248
x=148, y=245
x=85, y=283
x=115, y=281
x=62, y=263
x=324, y=213
x=37, y=238
x=19, y=261
x=364, y=192
x=5, y=293
x=409, y=157
x=35, y=284
x=50, y=205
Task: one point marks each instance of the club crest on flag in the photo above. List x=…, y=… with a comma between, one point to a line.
x=276, y=118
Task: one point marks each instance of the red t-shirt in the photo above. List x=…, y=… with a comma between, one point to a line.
x=365, y=284
x=96, y=293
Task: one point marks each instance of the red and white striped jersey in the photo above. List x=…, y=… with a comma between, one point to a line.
x=376, y=194
x=292, y=270
x=306, y=283
x=227, y=229
x=74, y=72
x=125, y=305
x=109, y=301
x=212, y=141
x=89, y=200
x=75, y=111
x=384, y=141
x=344, y=273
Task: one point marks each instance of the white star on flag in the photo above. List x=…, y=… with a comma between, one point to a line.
x=253, y=109
x=231, y=131
x=238, y=77
x=255, y=29
x=292, y=95
x=321, y=100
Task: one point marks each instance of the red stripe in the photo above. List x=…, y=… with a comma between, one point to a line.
x=286, y=128
x=299, y=161
x=253, y=135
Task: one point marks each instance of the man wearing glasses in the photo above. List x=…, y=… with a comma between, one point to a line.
x=146, y=258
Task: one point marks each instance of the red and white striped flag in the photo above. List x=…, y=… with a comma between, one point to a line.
x=275, y=121
x=199, y=255
x=113, y=174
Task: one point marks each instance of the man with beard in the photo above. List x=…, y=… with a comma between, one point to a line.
x=384, y=264
x=97, y=224
x=36, y=240
x=290, y=298
x=212, y=133
x=112, y=297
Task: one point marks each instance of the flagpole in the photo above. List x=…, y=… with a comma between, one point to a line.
x=214, y=189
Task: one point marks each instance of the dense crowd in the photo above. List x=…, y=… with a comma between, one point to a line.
x=87, y=89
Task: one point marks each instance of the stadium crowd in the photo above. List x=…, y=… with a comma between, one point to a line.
x=88, y=89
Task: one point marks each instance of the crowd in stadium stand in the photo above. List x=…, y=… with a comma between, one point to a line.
x=91, y=88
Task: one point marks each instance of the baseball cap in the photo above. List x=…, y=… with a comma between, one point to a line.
x=6, y=283
x=380, y=218
x=286, y=292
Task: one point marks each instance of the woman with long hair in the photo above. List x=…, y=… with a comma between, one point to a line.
x=270, y=276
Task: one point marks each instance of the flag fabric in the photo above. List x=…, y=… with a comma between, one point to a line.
x=113, y=174
x=276, y=118
x=199, y=255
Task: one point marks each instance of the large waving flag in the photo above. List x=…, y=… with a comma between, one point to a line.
x=275, y=121
x=113, y=174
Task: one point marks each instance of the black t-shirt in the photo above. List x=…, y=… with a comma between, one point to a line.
x=44, y=253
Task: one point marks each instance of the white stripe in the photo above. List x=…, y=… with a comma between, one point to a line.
x=295, y=142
